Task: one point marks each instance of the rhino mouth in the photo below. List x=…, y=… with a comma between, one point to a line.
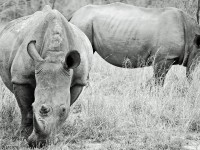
x=40, y=135
x=34, y=142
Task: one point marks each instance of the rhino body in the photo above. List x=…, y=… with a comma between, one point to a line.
x=45, y=61
x=144, y=36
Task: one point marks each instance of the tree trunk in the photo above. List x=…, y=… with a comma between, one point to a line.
x=198, y=8
x=29, y=8
x=53, y=3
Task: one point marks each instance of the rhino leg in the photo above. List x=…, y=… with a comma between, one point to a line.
x=75, y=92
x=160, y=70
x=192, y=64
x=25, y=97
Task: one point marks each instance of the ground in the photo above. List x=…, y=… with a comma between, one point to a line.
x=117, y=111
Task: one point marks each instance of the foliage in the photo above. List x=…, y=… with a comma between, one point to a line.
x=11, y=9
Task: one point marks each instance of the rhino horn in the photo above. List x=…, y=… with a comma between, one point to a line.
x=39, y=125
x=32, y=51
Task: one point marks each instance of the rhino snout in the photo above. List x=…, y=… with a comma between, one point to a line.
x=40, y=133
x=35, y=141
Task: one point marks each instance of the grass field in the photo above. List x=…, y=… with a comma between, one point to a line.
x=117, y=112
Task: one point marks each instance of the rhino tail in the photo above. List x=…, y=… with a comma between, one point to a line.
x=186, y=39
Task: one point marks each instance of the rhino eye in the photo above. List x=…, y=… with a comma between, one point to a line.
x=62, y=111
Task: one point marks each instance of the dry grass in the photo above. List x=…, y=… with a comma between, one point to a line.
x=116, y=111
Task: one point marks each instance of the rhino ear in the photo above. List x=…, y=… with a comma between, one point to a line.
x=72, y=60
x=197, y=40
x=33, y=52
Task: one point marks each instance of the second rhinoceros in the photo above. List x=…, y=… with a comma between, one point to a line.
x=143, y=36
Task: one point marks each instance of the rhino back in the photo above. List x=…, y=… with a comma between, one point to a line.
x=120, y=30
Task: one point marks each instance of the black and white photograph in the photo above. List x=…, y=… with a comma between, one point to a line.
x=99, y=75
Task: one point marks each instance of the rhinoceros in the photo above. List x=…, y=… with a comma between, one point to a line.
x=45, y=61
x=161, y=37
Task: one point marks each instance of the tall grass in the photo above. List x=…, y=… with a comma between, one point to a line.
x=116, y=111
x=125, y=112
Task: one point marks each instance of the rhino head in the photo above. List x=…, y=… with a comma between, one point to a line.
x=52, y=93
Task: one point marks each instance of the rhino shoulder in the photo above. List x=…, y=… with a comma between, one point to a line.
x=85, y=12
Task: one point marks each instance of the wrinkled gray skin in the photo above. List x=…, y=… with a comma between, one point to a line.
x=145, y=36
x=45, y=62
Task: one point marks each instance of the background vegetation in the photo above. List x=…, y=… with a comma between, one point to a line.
x=11, y=9
x=116, y=111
